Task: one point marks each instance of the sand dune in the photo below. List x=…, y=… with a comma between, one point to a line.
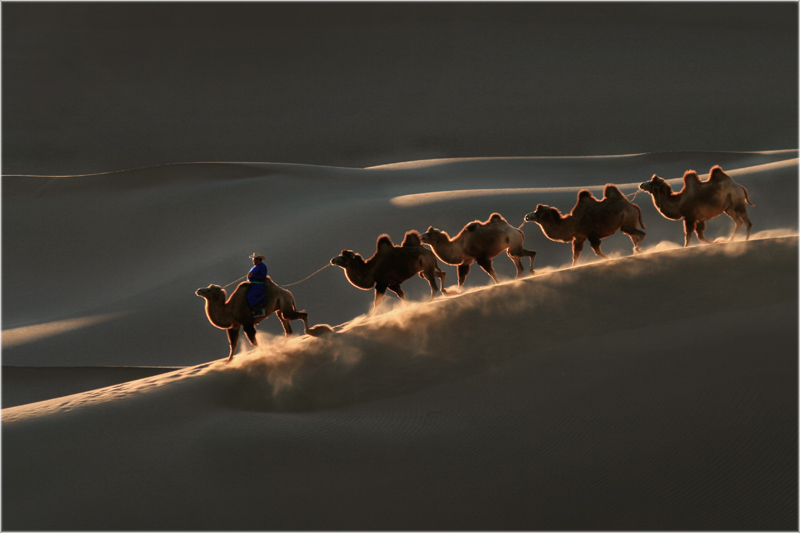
x=656, y=391
x=485, y=326
x=124, y=241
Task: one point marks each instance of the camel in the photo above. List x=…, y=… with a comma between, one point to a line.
x=390, y=266
x=699, y=201
x=234, y=314
x=591, y=219
x=479, y=242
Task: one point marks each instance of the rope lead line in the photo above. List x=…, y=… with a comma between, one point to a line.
x=232, y=282
x=634, y=194
x=308, y=277
x=289, y=285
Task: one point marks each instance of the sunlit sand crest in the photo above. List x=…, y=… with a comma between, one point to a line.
x=411, y=200
x=17, y=336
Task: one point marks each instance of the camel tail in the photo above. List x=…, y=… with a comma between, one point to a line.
x=747, y=196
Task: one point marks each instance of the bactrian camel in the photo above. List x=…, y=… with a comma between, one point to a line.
x=699, y=201
x=591, y=219
x=480, y=242
x=390, y=266
x=233, y=314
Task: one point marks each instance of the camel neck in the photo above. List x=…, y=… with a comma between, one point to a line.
x=218, y=313
x=667, y=204
x=559, y=229
x=448, y=250
x=360, y=274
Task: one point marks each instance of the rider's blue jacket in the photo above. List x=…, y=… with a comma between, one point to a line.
x=257, y=277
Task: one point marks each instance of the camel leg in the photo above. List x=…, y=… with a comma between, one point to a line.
x=532, y=255
x=519, y=253
x=688, y=229
x=380, y=290
x=441, y=274
x=636, y=236
x=748, y=225
x=233, y=339
x=431, y=276
x=740, y=218
x=293, y=314
x=594, y=242
x=398, y=290
x=699, y=228
x=286, y=323
x=577, y=248
x=638, y=244
x=737, y=224
x=463, y=270
x=486, y=265
x=518, y=264
x=250, y=332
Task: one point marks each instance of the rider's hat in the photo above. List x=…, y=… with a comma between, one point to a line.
x=257, y=256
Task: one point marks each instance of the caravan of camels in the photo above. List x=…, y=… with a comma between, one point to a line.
x=479, y=242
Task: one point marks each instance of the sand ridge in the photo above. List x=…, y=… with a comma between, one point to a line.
x=542, y=304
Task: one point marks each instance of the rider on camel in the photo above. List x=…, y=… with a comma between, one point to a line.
x=256, y=294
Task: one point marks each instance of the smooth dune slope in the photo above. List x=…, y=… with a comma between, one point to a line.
x=647, y=392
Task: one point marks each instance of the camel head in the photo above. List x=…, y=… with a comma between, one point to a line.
x=543, y=212
x=430, y=236
x=211, y=291
x=655, y=185
x=346, y=258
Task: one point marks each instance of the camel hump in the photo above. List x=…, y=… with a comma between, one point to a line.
x=612, y=192
x=384, y=242
x=497, y=217
x=717, y=174
x=412, y=238
x=472, y=226
x=691, y=181
x=585, y=201
x=585, y=197
x=690, y=176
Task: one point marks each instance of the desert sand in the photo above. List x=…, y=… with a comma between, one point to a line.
x=649, y=391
